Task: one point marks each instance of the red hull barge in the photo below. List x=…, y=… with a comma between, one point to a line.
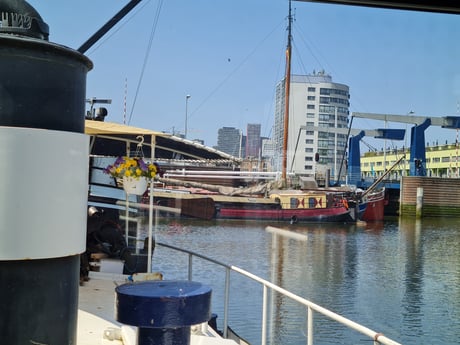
x=375, y=206
x=336, y=214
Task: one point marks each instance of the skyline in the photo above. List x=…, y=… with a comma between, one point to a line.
x=228, y=57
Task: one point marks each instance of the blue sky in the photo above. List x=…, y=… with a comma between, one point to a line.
x=229, y=55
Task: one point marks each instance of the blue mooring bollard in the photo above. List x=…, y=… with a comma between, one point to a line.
x=163, y=310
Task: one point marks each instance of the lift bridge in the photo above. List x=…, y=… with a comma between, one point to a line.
x=417, y=162
x=354, y=155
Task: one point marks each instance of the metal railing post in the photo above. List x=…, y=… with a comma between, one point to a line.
x=226, y=300
x=264, y=316
x=190, y=266
x=378, y=338
x=310, y=326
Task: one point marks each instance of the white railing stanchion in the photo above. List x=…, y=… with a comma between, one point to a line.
x=190, y=266
x=378, y=338
x=309, y=326
x=150, y=230
x=264, y=316
x=226, y=300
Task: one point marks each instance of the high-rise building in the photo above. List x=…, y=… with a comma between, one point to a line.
x=253, y=140
x=268, y=148
x=317, y=106
x=229, y=141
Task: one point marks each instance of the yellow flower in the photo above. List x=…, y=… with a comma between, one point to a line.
x=135, y=167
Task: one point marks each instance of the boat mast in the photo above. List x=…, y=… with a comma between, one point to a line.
x=287, y=86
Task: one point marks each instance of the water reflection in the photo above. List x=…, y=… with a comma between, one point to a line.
x=431, y=280
x=399, y=277
x=413, y=276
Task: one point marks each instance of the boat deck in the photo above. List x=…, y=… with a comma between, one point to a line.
x=96, y=316
x=96, y=309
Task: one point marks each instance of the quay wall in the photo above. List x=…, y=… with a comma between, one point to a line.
x=441, y=196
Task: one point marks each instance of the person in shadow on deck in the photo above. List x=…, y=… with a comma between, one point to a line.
x=104, y=235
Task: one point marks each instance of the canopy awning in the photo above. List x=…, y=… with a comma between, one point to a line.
x=99, y=127
x=114, y=139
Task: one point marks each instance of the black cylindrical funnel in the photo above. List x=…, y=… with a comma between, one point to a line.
x=43, y=181
x=43, y=85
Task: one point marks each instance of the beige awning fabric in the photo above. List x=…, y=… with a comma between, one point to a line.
x=184, y=148
x=100, y=127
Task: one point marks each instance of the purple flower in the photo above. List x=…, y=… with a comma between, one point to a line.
x=119, y=161
x=142, y=165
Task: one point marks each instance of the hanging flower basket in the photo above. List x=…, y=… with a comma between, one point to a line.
x=134, y=185
x=134, y=172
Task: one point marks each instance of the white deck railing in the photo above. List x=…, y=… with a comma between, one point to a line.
x=376, y=337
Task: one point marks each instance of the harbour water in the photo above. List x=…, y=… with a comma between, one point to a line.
x=400, y=277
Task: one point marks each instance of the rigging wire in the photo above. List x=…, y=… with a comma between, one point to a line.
x=270, y=111
x=322, y=61
x=115, y=30
x=310, y=47
x=152, y=33
x=234, y=71
x=147, y=53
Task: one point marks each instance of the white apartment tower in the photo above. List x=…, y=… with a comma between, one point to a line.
x=317, y=106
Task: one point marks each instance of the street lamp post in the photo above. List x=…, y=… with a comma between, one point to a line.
x=186, y=114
